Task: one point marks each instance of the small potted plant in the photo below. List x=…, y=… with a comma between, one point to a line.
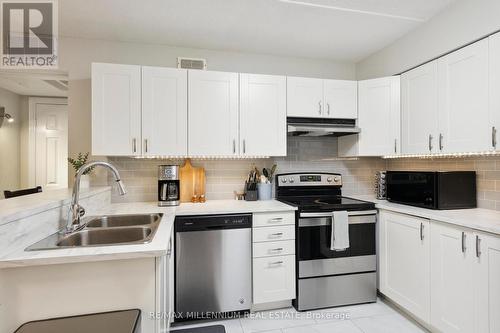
x=80, y=160
x=265, y=185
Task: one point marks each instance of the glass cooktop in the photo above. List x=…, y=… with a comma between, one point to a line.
x=329, y=203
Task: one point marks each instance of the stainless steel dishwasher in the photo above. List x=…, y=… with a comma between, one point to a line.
x=213, y=265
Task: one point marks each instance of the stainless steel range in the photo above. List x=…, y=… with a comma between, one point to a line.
x=326, y=277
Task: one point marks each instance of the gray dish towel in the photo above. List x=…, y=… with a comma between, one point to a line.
x=340, y=231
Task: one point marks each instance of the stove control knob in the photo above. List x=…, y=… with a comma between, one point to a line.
x=291, y=180
x=336, y=179
x=283, y=180
x=329, y=179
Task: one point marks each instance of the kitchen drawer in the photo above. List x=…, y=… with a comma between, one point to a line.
x=272, y=219
x=273, y=279
x=269, y=234
x=268, y=249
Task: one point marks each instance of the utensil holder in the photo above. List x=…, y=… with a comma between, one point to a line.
x=265, y=191
x=251, y=195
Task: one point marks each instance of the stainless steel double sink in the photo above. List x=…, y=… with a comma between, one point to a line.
x=105, y=230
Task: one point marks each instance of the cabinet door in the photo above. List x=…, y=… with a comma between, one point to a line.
x=305, y=97
x=213, y=113
x=494, y=59
x=419, y=110
x=262, y=115
x=378, y=119
x=164, y=111
x=463, y=99
x=341, y=99
x=405, y=262
x=452, y=279
x=488, y=283
x=116, y=110
x=273, y=279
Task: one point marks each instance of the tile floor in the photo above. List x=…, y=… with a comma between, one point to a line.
x=366, y=318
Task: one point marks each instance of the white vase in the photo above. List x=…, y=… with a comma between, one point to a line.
x=85, y=181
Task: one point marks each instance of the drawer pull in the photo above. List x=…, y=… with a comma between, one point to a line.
x=463, y=242
x=277, y=234
x=276, y=263
x=276, y=219
x=277, y=249
x=478, y=246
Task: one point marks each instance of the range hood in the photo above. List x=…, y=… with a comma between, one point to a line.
x=321, y=127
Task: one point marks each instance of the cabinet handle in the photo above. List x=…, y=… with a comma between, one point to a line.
x=328, y=108
x=395, y=146
x=244, y=146
x=421, y=231
x=277, y=234
x=134, y=145
x=494, y=137
x=440, y=141
x=430, y=142
x=276, y=219
x=146, y=145
x=234, y=146
x=319, y=103
x=169, y=250
x=278, y=249
x=276, y=263
x=463, y=242
x=478, y=246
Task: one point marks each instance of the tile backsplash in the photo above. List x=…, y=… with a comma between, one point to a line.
x=226, y=176
x=306, y=154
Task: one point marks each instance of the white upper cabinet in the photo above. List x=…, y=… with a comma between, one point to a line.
x=262, y=115
x=463, y=100
x=340, y=99
x=419, y=110
x=305, y=97
x=494, y=95
x=405, y=239
x=317, y=98
x=164, y=111
x=116, y=110
x=212, y=113
x=378, y=119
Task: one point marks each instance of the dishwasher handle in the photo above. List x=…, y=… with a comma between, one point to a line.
x=212, y=222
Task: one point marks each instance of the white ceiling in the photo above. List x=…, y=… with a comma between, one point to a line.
x=29, y=84
x=341, y=30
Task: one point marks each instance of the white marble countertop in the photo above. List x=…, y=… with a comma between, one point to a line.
x=480, y=219
x=157, y=247
x=20, y=207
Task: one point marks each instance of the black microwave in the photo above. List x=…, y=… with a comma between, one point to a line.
x=434, y=190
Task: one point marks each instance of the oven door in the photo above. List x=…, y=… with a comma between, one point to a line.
x=313, y=245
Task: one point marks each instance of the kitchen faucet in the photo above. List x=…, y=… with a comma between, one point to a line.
x=75, y=210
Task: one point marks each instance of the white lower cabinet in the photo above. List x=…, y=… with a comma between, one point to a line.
x=453, y=278
x=404, y=249
x=445, y=275
x=273, y=279
x=273, y=257
x=488, y=283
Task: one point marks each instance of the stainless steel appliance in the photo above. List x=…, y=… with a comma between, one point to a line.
x=381, y=185
x=168, y=185
x=321, y=126
x=327, y=278
x=431, y=189
x=213, y=265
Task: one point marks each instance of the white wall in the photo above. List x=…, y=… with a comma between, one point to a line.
x=9, y=143
x=463, y=22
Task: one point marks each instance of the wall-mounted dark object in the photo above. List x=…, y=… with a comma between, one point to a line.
x=4, y=115
x=18, y=193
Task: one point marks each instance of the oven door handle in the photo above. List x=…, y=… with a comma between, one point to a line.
x=329, y=214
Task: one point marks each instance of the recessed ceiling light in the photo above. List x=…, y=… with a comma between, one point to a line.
x=351, y=10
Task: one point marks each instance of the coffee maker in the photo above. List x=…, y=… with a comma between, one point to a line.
x=168, y=185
